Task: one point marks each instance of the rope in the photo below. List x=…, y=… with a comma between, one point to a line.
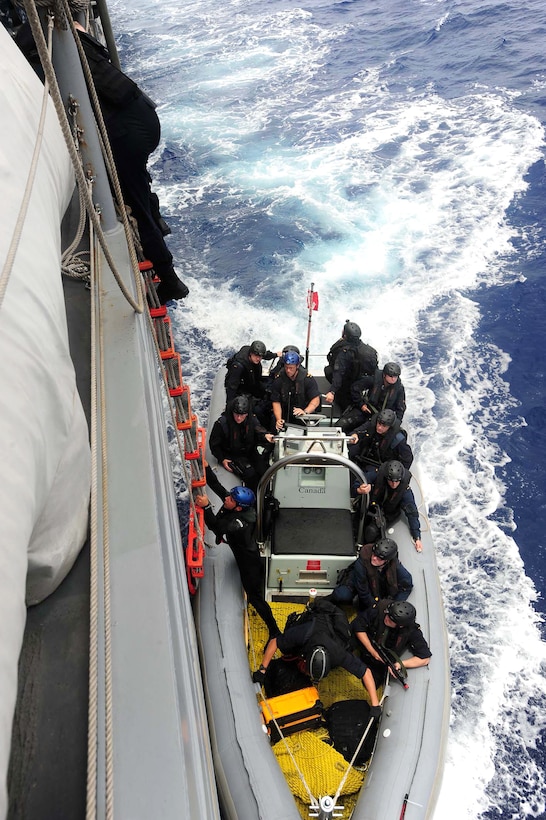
x=16, y=236
x=99, y=407
x=109, y=746
x=32, y=14
x=91, y=796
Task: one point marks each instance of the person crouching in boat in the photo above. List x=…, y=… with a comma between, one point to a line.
x=234, y=441
x=322, y=650
x=294, y=391
x=234, y=523
x=377, y=574
x=391, y=625
x=390, y=491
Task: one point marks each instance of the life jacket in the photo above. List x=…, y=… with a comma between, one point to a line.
x=376, y=449
x=366, y=361
x=382, y=395
x=364, y=357
x=386, y=497
x=335, y=350
x=250, y=374
x=395, y=638
x=382, y=583
x=292, y=392
x=239, y=438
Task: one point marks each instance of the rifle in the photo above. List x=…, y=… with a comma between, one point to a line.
x=390, y=659
x=378, y=516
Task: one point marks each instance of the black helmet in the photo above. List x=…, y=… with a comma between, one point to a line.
x=386, y=417
x=401, y=612
x=291, y=357
x=351, y=331
x=392, y=369
x=286, y=348
x=395, y=471
x=385, y=549
x=258, y=348
x=317, y=663
x=240, y=405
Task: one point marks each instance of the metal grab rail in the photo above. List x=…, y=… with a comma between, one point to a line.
x=303, y=459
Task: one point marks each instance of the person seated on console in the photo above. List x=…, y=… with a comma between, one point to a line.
x=294, y=392
x=390, y=496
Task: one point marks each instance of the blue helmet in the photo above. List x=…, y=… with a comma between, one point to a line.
x=291, y=357
x=243, y=496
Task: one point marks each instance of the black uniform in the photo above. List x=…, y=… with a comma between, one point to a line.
x=134, y=132
x=243, y=377
x=300, y=639
x=393, y=502
x=397, y=639
x=237, y=528
x=377, y=395
x=291, y=393
x=373, y=449
x=371, y=583
x=238, y=443
x=348, y=361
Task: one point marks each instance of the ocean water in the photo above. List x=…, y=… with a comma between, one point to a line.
x=393, y=155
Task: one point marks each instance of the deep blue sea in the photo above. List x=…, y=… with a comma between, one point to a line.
x=392, y=154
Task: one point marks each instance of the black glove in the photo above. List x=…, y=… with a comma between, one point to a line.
x=259, y=676
x=375, y=712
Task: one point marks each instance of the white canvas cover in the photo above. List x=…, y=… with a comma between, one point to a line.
x=44, y=450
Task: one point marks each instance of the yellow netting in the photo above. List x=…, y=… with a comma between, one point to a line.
x=322, y=767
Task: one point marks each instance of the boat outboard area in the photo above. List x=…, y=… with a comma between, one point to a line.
x=102, y=708
x=309, y=530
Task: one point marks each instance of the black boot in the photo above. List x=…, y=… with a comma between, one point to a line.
x=171, y=287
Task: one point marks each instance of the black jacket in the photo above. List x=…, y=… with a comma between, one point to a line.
x=373, y=448
x=230, y=440
x=373, y=391
x=243, y=376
